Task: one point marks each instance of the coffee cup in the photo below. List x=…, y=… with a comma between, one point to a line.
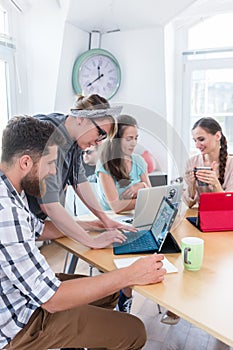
x=201, y=183
x=192, y=253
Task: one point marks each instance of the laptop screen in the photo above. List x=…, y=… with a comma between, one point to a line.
x=163, y=221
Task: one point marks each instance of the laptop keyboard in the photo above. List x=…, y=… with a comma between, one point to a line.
x=136, y=242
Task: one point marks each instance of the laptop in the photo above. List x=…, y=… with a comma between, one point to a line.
x=148, y=201
x=215, y=212
x=157, y=179
x=152, y=240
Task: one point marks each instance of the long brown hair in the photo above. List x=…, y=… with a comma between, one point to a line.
x=112, y=157
x=211, y=126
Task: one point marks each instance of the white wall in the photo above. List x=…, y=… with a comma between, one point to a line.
x=75, y=42
x=147, y=59
x=39, y=36
x=141, y=57
x=48, y=46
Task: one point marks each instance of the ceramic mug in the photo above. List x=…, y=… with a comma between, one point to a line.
x=192, y=253
x=201, y=183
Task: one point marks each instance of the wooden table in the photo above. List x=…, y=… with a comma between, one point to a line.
x=204, y=298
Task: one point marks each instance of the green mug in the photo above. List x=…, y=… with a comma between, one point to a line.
x=192, y=253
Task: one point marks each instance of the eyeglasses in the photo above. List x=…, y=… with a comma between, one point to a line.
x=102, y=133
x=88, y=152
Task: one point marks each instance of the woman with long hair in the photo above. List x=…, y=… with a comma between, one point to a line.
x=212, y=144
x=217, y=177
x=121, y=172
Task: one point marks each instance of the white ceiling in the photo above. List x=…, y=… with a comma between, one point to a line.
x=109, y=15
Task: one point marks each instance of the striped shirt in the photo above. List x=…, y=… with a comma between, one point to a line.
x=26, y=280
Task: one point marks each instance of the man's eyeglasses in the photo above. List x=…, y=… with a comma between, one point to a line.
x=88, y=152
x=102, y=133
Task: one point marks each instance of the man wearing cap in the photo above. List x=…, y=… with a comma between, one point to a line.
x=88, y=123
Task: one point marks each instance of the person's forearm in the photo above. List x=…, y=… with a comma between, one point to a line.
x=64, y=223
x=71, y=293
x=192, y=191
x=50, y=232
x=190, y=199
x=121, y=205
x=146, y=180
x=97, y=210
x=81, y=291
x=217, y=187
x=88, y=197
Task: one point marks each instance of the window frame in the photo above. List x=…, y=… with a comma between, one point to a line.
x=7, y=55
x=189, y=66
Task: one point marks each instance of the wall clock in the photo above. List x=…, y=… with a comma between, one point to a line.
x=96, y=71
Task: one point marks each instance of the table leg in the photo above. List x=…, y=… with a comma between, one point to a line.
x=73, y=264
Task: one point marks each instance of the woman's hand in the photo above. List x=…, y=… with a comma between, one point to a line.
x=132, y=191
x=190, y=176
x=210, y=177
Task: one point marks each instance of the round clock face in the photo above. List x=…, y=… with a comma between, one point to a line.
x=96, y=71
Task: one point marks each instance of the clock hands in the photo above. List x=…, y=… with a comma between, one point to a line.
x=98, y=71
x=99, y=77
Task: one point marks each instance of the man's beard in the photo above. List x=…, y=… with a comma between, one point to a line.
x=32, y=186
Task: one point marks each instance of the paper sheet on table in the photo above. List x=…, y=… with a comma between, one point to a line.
x=123, y=262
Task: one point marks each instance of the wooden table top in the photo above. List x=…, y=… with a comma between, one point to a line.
x=204, y=298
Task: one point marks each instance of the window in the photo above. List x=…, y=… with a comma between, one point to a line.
x=3, y=21
x=6, y=65
x=3, y=95
x=208, y=74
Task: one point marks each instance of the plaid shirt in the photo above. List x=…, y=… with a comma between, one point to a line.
x=26, y=280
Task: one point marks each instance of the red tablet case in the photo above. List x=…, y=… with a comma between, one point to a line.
x=216, y=211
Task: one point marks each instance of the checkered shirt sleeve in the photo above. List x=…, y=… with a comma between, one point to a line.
x=26, y=280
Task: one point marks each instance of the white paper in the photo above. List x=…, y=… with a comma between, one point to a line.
x=123, y=262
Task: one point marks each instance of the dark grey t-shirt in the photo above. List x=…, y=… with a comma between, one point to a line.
x=70, y=170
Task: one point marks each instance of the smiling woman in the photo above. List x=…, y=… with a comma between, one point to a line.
x=211, y=170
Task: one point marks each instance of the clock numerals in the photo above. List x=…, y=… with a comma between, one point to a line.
x=109, y=86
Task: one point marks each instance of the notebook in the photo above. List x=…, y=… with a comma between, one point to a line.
x=148, y=201
x=215, y=212
x=150, y=240
x=124, y=262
